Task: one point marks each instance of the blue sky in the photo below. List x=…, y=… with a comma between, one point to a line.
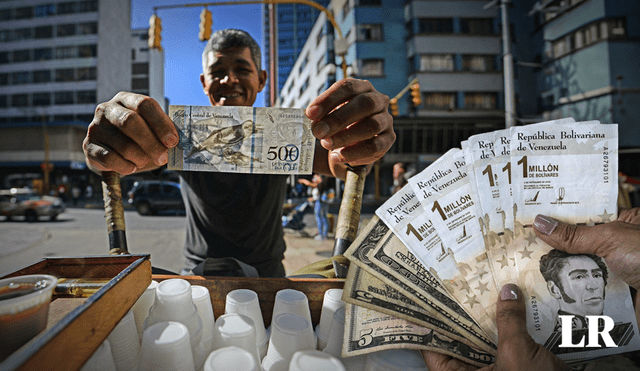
x=183, y=50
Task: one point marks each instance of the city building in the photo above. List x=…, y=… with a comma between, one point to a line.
x=293, y=23
x=147, y=68
x=58, y=59
x=588, y=67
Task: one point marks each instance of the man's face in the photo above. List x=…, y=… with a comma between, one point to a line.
x=583, y=283
x=231, y=78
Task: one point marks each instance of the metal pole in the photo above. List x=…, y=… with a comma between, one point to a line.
x=272, y=55
x=507, y=61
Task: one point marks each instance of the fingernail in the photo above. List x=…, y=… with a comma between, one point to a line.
x=327, y=142
x=162, y=159
x=334, y=157
x=509, y=292
x=545, y=224
x=170, y=140
x=321, y=130
x=313, y=112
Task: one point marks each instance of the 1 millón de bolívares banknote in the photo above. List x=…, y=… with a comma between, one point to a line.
x=250, y=140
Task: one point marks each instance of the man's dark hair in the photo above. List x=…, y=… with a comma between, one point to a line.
x=232, y=38
x=552, y=263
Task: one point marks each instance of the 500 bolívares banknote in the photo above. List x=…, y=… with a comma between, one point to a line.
x=253, y=140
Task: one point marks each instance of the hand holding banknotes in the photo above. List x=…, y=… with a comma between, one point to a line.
x=617, y=242
x=516, y=348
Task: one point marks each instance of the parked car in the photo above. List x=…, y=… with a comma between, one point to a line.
x=26, y=202
x=151, y=196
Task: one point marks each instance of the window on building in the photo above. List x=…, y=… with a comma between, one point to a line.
x=319, y=37
x=369, y=32
x=19, y=78
x=43, y=54
x=87, y=6
x=67, y=8
x=44, y=10
x=435, y=25
x=4, y=79
x=371, y=67
x=44, y=32
x=437, y=62
x=41, y=99
x=561, y=47
x=321, y=63
x=140, y=69
x=63, y=97
x=139, y=83
x=304, y=63
x=88, y=28
x=21, y=55
x=480, y=100
x=65, y=75
x=22, y=34
x=87, y=73
x=439, y=101
x=4, y=57
x=63, y=118
x=65, y=52
x=20, y=100
x=64, y=30
x=87, y=51
x=6, y=35
x=3, y=101
x=84, y=118
x=304, y=86
x=86, y=96
x=478, y=63
x=476, y=26
x=369, y=2
x=41, y=76
x=23, y=13
x=5, y=14
x=346, y=8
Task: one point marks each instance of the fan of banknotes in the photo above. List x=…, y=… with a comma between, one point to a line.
x=427, y=269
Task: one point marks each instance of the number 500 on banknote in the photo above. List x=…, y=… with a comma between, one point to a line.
x=252, y=140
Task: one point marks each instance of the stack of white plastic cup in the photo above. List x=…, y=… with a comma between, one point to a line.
x=291, y=301
x=125, y=344
x=174, y=303
x=315, y=360
x=238, y=330
x=231, y=358
x=332, y=301
x=335, y=340
x=166, y=346
x=101, y=359
x=289, y=333
x=246, y=302
x=395, y=360
x=142, y=305
x=202, y=300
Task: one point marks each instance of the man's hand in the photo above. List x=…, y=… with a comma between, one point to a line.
x=129, y=133
x=617, y=242
x=516, y=348
x=352, y=121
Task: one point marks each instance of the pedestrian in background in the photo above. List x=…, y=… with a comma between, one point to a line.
x=320, y=207
x=399, y=177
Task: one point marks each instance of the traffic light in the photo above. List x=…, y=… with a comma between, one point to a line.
x=155, y=27
x=416, y=95
x=393, y=107
x=205, y=25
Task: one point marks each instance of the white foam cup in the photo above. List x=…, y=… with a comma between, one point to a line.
x=238, y=330
x=231, y=358
x=125, y=343
x=101, y=359
x=291, y=301
x=336, y=333
x=395, y=360
x=289, y=333
x=306, y=360
x=332, y=300
x=166, y=346
x=142, y=305
x=243, y=301
x=174, y=302
x=202, y=300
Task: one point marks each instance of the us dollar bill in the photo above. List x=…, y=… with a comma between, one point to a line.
x=425, y=292
x=252, y=140
x=364, y=289
x=368, y=331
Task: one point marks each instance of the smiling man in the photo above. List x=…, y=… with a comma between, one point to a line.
x=233, y=215
x=578, y=282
